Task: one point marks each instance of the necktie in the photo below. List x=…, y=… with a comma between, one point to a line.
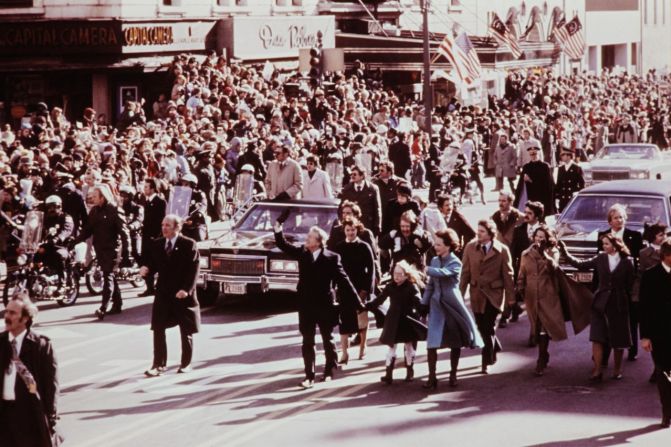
x=168, y=247
x=22, y=371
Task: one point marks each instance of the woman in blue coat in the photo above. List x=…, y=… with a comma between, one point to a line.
x=451, y=324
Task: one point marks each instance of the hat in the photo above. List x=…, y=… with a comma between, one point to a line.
x=567, y=150
x=535, y=146
x=404, y=189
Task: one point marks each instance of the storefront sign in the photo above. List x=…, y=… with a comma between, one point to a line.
x=67, y=37
x=60, y=37
x=170, y=36
x=258, y=38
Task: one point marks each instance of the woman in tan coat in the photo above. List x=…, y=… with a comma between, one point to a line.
x=538, y=284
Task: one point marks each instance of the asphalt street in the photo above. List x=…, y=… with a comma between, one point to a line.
x=243, y=389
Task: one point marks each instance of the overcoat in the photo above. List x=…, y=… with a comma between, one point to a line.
x=400, y=323
x=176, y=271
x=656, y=314
x=450, y=322
x=489, y=277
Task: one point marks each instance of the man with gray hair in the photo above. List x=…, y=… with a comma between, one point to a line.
x=28, y=379
x=319, y=271
x=176, y=260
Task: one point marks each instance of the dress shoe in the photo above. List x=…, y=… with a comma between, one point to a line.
x=146, y=293
x=344, y=358
x=483, y=370
x=185, y=369
x=327, y=377
x=362, y=352
x=632, y=357
x=307, y=384
x=100, y=313
x=115, y=310
x=616, y=376
x=155, y=371
x=409, y=373
x=666, y=422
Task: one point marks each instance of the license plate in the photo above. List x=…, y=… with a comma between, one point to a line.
x=583, y=276
x=232, y=288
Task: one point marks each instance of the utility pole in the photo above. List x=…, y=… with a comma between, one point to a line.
x=428, y=94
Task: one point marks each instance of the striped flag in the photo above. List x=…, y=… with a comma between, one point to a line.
x=461, y=53
x=569, y=36
x=504, y=37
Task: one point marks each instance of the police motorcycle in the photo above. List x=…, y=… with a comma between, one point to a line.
x=131, y=273
x=455, y=180
x=37, y=272
x=191, y=205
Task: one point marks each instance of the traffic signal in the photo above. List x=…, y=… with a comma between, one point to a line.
x=315, y=63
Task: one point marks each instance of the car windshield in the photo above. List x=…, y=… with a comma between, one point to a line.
x=627, y=153
x=588, y=213
x=262, y=218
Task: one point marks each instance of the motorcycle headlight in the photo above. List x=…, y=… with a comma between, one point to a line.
x=204, y=262
x=639, y=175
x=283, y=265
x=22, y=259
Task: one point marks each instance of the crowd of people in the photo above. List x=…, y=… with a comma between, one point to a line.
x=357, y=140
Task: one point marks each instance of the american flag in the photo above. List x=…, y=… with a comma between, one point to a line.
x=462, y=55
x=504, y=37
x=569, y=36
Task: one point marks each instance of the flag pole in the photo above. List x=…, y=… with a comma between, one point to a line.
x=428, y=94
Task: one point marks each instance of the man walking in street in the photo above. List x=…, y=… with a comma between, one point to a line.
x=28, y=380
x=655, y=327
x=319, y=271
x=154, y=212
x=285, y=178
x=487, y=273
x=176, y=261
x=365, y=194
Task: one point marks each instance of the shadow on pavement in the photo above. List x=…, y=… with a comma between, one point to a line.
x=604, y=440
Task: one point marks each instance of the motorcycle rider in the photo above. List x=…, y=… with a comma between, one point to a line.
x=58, y=229
x=195, y=224
x=134, y=217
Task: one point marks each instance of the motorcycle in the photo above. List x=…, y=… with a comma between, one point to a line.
x=93, y=277
x=40, y=281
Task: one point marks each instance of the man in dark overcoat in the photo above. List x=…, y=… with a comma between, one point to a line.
x=154, y=212
x=365, y=194
x=28, y=379
x=537, y=182
x=319, y=271
x=655, y=313
x=176, y=260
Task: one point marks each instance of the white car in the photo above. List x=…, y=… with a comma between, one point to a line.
x=627, y=161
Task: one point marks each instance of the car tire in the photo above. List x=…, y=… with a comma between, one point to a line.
x=207, y=296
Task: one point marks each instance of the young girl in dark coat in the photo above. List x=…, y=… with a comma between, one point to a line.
x=404, y=302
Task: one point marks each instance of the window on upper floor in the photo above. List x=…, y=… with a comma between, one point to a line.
x=16, y=3
x=454, y=5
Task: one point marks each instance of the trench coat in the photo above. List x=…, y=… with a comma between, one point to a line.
x=505, y=161
x=656, y=314
x=176, y=271
x=539, y=286
x=450, y=323
x=400, y=323
x=489, y=277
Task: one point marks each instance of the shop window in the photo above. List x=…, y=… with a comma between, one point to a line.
x=16, y=3
x=282, y=2
x=454, y=6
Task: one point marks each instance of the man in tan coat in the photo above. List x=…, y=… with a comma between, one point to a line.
x=284, y=180
x=488, y=270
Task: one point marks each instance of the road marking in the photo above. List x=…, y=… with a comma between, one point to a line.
x=150, y=423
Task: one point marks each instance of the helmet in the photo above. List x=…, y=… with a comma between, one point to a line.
x=190, y=178
x=53, y=200
x=247, y=168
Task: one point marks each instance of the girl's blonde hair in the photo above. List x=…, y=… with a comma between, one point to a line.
x=414, y=276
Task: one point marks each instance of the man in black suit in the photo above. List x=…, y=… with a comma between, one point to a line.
x=28, y=379
x=570, y=179
x=154, y=212
x=534, y=214
x=175, y=258
x=319, y=270
x=399, y=153
x=367, y=196
x=617, y=220
x=655, y=328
